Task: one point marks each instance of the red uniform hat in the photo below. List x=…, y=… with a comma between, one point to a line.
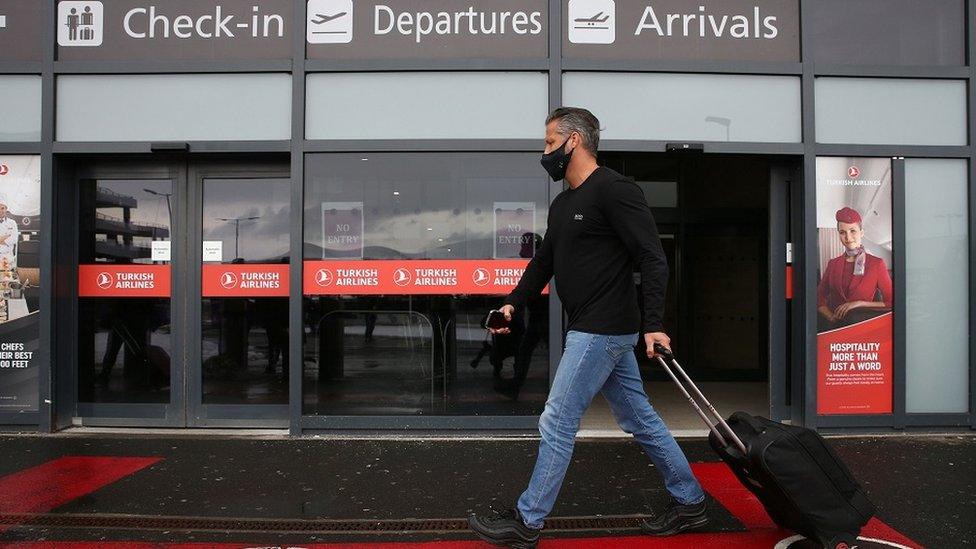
x=848, y=215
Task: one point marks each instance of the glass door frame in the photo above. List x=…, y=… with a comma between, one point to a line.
x=219, y=415
x=173, y=413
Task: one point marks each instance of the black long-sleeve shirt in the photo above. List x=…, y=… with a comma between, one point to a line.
x=596, y=233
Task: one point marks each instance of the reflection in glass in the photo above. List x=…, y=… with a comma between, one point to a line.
x=249, y=217
x=124, y=343
x=422, y=354
x=245, y=350
x=244, y=340
x=391, y=355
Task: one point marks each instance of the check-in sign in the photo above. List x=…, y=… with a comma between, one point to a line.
x=173, y=30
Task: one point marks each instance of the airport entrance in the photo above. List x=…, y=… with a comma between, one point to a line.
x=179, y=307
x=724, y=225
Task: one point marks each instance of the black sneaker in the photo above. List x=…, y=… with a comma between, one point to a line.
x=504, y=528
x=676, y=519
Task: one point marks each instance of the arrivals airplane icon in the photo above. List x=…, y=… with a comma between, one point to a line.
x=322, y=19
x=594, y=19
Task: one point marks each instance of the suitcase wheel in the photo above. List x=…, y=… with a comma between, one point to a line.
x=842, y=541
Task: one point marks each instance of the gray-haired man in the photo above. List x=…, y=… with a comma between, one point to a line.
x=598, y=229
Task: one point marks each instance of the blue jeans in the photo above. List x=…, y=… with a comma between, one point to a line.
x=591, y=363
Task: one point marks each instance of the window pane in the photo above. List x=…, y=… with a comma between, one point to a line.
x=889, y=32
x=937, y=259
x=185, y=107
x=891, y=111
x=394, y=352
x=691, y=107
x=124, y=343
x=20, y=108
x=244, y=338
x=462, y=105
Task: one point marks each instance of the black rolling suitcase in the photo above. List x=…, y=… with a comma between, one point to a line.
x=796, y=475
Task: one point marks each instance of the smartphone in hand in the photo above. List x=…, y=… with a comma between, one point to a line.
x=494, y=320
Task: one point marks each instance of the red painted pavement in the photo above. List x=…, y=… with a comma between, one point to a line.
x=49, y=485
x=68, y=478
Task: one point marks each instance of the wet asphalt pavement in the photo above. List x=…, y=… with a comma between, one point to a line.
x=924, y=487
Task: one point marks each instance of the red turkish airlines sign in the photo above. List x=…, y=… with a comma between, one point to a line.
x=108, y=280
x=258, y=280
x=413, y=277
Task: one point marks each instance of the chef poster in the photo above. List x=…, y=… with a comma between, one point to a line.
x=20, y=186
x=854, y=293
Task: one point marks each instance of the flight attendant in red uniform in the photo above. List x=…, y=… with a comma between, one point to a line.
x=855, y=281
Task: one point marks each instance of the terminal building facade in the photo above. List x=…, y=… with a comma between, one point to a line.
x=293, y=214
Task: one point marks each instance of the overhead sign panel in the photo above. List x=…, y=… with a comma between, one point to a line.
x=426, y=29
x=173, y=30
x=726, y=30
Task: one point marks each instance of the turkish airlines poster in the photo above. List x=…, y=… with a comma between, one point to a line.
x=413, y=277
x=20, y=278
x=855, y=288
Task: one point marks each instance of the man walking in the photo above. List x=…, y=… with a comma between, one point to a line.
x=598, y=229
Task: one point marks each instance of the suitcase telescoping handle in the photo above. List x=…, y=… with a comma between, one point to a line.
x=713, y=427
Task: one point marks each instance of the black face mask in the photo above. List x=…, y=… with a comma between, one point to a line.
x=557, y=161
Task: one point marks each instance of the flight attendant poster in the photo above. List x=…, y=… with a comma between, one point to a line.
x=20, y=187
x=854, y=293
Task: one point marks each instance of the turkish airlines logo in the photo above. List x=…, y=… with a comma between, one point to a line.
x=853, y=172
x=228, y=281
x=4, y=170
x=481, y=276
x=324, y=277
x=104, y=281
x=401, y=277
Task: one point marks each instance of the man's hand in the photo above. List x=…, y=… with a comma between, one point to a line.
x=508, y=311
x=651, y=338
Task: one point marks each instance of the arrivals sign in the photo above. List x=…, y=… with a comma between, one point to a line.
x=20, y=30
x=113, y=280
x=855, y=290
x=252, y=280
x=428, y=29
x=413, y=277
x=719, y=30
x=174, y=30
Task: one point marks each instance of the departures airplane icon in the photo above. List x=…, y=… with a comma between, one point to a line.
x=321, y=18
